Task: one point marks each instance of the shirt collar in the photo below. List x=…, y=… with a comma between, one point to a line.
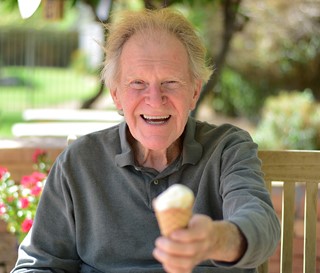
x=126, y=156
x=191, y=151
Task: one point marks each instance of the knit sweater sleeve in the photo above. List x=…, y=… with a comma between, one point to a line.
x=246, y=202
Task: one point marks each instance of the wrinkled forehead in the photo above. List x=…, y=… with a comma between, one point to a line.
x=154, y=48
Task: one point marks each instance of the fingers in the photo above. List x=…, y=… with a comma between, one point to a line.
x=173, y=264
x=198, y=229
x=178, y=256
x=203, y=239
x=184, y=248
x=173, y=257
x=173, y=247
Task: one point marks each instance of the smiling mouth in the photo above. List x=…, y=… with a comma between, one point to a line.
x=156, y=120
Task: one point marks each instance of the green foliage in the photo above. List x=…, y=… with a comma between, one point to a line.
x=8, y=5
x=302, y=50
x=279, y=44
x=235, y=96
x=290, y=120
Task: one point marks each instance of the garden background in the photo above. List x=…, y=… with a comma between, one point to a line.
x=266, y=55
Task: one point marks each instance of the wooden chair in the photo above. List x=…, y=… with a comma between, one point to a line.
x=292, y=168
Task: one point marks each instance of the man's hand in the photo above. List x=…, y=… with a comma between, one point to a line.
x=203, y=239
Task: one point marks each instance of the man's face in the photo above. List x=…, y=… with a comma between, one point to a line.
x=155, y=89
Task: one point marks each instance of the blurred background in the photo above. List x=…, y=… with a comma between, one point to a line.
x=266, y=55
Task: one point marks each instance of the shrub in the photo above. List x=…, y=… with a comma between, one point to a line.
x=290, y=120
x=235, y=96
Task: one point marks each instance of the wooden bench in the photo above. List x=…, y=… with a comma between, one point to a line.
x=64, y=122
x=294, y=168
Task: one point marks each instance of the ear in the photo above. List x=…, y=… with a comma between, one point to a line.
x=116, y=99
x=196, y=93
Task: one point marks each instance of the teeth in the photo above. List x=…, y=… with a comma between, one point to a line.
x=155, y=117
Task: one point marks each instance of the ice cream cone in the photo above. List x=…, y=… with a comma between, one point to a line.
x=173, y=208
x=172, y=219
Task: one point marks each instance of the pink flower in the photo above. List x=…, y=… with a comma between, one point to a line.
x=38, y=176
x=36, y=190
x=20, y=200
x=26, y=225
x=38, y=153
x=24, y=202
x=30, y=181
x=2, y=209
x=3, y=170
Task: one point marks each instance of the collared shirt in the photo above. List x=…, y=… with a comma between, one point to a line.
x=96, y=215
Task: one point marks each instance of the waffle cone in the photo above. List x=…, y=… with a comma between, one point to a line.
x=172, y=219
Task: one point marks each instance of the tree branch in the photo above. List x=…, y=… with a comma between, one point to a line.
x=230, y=11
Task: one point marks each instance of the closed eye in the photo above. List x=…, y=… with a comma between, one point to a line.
x=137, y=84
x=170, y=84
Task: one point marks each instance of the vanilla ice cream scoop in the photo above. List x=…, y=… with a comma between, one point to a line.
x=173, y=208
x=176, y=196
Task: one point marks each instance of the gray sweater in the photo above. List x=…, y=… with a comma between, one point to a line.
x=95, y=214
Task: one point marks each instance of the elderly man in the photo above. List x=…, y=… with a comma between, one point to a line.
x=96, y=213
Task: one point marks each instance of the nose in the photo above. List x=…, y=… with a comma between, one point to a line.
x=155, y=97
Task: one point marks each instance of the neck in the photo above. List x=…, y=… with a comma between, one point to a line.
x=156, y=159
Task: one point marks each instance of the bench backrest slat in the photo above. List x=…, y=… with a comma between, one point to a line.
x=294, y=169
